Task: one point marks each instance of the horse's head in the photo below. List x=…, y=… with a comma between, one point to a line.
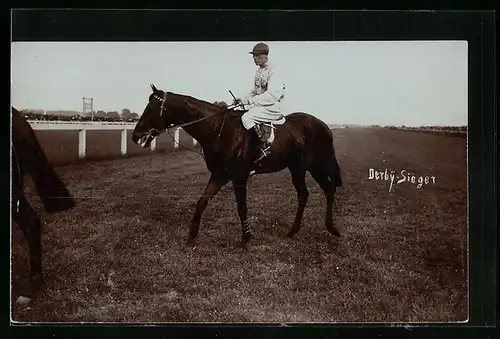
x=154, y=120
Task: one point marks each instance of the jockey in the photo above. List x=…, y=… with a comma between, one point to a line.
x=264, y=99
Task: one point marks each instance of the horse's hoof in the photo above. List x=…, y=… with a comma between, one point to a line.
x=333, y=230
x=37, y=281
x=191, y=242
x=293, y=231
x=245, y=238
x=244, y=246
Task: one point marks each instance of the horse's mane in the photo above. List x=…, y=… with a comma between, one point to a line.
x=192, y=100
x=215, y=107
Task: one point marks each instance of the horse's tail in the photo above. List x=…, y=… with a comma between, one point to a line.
x=51, y=189
x=335, y=176
x=53, y=193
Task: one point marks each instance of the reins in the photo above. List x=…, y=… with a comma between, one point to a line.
x=224, y=111
x=228, y=108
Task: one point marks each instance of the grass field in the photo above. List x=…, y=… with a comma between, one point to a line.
x=120, y=255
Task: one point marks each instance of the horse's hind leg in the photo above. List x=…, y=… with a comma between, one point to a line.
x=299, y=181
x=30, y=225
x=329, y=189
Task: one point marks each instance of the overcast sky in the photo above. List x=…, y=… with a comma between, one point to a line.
x=387, y=83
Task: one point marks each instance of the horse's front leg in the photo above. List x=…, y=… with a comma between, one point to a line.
x=30, y=225
x=214, y=185
x=240, y=190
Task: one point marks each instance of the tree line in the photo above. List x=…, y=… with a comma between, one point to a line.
x=62, y=115
x=454, y=129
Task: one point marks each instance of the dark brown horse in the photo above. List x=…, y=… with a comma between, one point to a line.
x=28, y=157
x=303, y=143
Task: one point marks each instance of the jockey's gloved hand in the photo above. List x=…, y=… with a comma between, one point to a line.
x=237, y=101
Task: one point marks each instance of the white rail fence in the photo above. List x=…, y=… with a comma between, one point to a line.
x=83, y=126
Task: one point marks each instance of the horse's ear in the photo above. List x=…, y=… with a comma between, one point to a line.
x=153, y=87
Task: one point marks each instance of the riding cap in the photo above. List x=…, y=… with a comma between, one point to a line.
x=260, y=48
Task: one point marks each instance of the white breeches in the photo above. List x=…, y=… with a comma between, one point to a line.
x=257, y=114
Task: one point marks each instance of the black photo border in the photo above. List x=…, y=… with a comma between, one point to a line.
x=477, y=27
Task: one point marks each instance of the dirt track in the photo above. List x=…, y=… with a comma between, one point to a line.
x=120, y=255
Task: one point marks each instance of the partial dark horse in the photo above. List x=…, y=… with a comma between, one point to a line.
x=28, y=157
x=303, y=143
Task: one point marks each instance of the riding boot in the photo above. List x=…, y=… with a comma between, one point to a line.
x=264, y=145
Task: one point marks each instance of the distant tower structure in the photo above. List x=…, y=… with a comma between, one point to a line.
x=88, y=106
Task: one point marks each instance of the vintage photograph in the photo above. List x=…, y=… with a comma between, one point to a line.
x=239, y=182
